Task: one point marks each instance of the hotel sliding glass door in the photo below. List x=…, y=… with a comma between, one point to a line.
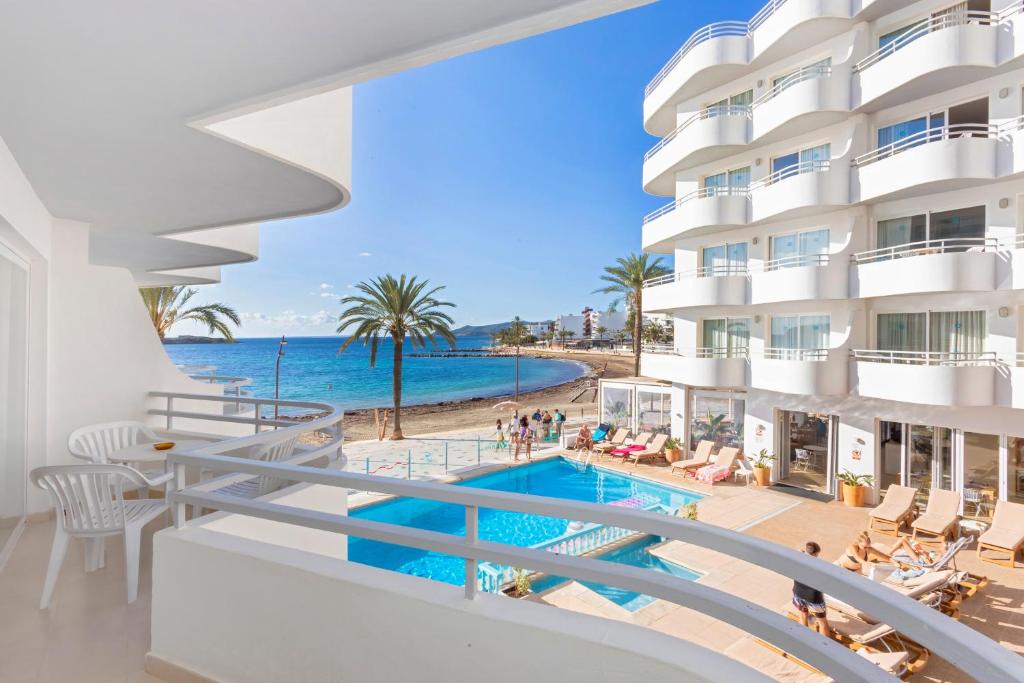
x=13, y=388
x=806, y=444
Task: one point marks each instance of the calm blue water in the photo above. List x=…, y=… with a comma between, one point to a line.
x=556, y=478
x=312, y=370
x=635, y=555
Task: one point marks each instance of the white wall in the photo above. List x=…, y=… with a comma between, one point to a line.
x=234, y=609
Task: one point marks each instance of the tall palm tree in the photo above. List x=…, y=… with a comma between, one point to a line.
x=166, y=306
x=516, y=334
x=396, y=308
x=626, y=279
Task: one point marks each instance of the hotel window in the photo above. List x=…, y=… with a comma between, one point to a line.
x=964, y=120
x=654, y=411
x=724, y=259
x=956, y=230
x=800, y=332
x=737, y=177
x=791, y=164
x=957, y=333
x=793, y=77
x=955, y=14
x=717, y=416
x=720, y=107
x=807, y=248
x=725, y=337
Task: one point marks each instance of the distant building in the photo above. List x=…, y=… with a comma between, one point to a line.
x=570, y=323
x=612, y=321
x=540, y=329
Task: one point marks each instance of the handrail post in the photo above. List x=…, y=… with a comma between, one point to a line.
x=408, y=465
x=478, y=450
x=179, y=485
x=472, y=535
x=256, y=407
x=367, y=464
x=446, y=457
x=170, y=418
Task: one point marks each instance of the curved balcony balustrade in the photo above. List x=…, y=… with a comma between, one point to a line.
x=940, y=378
x=696, y=213
x=701, y=367
x=807, y=187
x=724, y=50
x=965, y=264
x=944, y=158
x=724, y=285
x=709, y=134
x=936, y=54
x=815, y=372
x=810, y=277
x=811, y=98
x=1010, y=381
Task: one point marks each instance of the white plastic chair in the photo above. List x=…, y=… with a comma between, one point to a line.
x=746, y=470
x=803, y=458
x=276, y=451
x=90, y=504
x=95, y=443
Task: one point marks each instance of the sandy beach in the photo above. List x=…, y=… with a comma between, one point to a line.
x=479, y=412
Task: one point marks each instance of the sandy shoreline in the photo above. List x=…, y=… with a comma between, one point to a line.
x=479, y=412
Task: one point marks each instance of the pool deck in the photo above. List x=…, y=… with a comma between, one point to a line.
x=997, y=610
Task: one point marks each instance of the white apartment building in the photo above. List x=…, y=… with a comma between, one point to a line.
x=612, y=321
x=846, y=220
x=575, y=324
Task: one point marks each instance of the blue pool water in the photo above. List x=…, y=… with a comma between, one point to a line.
x=313, y=370
x=635, y=555
x=557, y=478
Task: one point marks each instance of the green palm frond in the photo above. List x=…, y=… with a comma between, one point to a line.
x=166, y=307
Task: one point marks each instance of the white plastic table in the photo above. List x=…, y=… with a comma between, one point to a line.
x=144, y=453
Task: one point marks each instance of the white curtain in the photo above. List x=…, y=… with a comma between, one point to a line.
x=957, y=331
x=901, y=332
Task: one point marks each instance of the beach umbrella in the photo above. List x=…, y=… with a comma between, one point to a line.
x=508, y=405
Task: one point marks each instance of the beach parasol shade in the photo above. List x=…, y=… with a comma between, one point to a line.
x=508, y=405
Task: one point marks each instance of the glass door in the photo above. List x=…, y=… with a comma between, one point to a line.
x=13, y=394
x=806, y=449
x=929, y=460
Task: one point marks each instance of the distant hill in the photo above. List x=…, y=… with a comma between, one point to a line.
x=476, y=330
x=191, y=339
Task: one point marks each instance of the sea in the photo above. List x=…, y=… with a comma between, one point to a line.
x=313, y=369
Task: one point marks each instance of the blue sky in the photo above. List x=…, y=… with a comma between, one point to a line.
x=511, y=175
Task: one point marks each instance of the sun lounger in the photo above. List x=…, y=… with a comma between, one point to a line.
x=1006, y=535
x=655, y=449
x=896, y=509
x=637, y=444
x=721, y=468
x=617, y=440
x=773, y=662
x=700, y=458
x=942, y=518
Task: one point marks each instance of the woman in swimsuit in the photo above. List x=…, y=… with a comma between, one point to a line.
x=523, y=438
x=861, y=552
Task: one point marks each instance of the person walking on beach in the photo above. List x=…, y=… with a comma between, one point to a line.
x=499, y=436
x=559, y=421
x=523, y=438
x=810, y=602
x=546, y=424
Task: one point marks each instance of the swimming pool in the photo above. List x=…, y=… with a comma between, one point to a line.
x=557, y=478
x=634, y=554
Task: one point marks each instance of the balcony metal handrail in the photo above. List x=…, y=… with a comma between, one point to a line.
x=923, y=137
x=926, y=247
x=806, y=73
x=936, y=358
x=762, y=14
x=702, y=193
x=967, y=648
x=705, y=113
x=924, y=27
x=699, y=352
x=778, y=353
x=701, y=35
x=799, y=168
x=226, y=381
x=796, y=261
x=327, y=415
x=721, y=270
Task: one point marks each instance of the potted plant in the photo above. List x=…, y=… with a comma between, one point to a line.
x=854, y=486
x=690, y=511
x=762, y=464
x=673, y=451
x=520, y=586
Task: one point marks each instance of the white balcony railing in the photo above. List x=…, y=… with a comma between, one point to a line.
x=701, y=35
x=923, y=28
x=931, y=358
x=796, y=261
x=699, y=352
x=975, y=654
x=925, y=247
x=777, y=353
x=950, y=132
x=723, y=270
x=810, y=166
x=702, y=193
x=807, y=73
x=702, y=115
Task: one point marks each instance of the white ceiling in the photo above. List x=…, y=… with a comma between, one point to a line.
x=99, y=100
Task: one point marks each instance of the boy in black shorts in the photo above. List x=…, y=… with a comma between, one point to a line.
x=810, y=602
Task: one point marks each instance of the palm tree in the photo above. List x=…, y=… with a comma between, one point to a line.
x=166, y=306
x=516, y=334
x=626, y=279
x=601, y=331
x=396, y=308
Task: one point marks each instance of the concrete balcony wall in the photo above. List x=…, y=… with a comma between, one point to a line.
x=790, y=24
x=1010, y=386
x=811, y=377
x=802, y=193
x=703, y=140
x=802, y=283
x=695, y=217
x=722, y=290
x=1017, y=268
x=803, y=106
x=949, y=272
x=924, y=65
x=936, y=385
x=918, y=168
x=693, y=371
